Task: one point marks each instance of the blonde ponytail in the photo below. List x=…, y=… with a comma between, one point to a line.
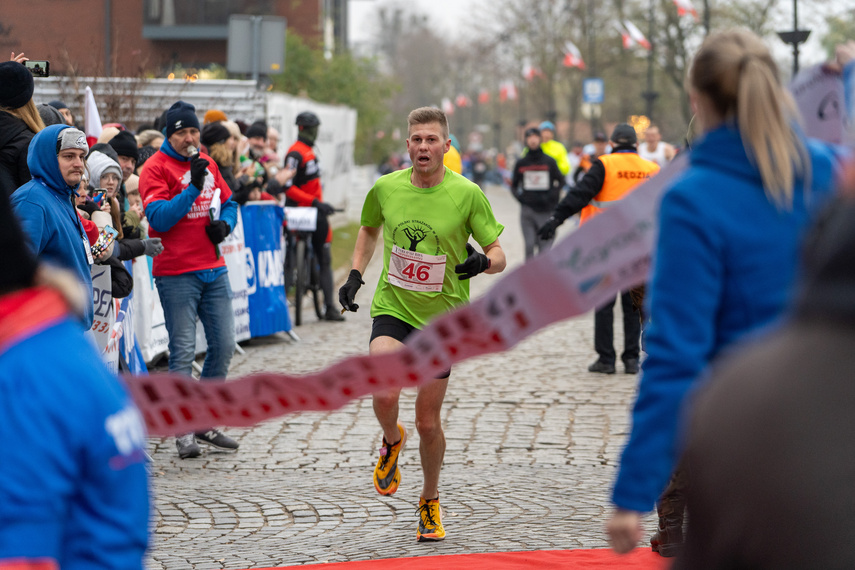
x=736, y=71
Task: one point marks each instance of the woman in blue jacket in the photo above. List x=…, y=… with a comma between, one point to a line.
x=725, y=259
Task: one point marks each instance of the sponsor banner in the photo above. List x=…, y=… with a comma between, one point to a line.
x=576, y=275
x=149, y=325
x=268, y=308
x=104, y=322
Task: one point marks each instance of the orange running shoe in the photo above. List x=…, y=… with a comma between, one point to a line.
x=387, y=476
x=430, y=520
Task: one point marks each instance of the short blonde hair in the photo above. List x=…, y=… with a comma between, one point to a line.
x=735, y=70
x=427, y=115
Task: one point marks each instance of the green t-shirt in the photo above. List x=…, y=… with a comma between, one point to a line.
x=431, y=221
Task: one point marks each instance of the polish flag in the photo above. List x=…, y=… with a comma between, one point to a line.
x=447, y=106
x=632, y=36
x=529, y=71
x=572, y=56
x=507, y=91
x=463, y=101
x=685, y=7
x=484, y=97
x=92, y=120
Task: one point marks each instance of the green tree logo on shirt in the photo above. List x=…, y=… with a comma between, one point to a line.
x=414, y=232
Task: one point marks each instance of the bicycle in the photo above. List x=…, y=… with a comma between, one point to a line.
x=302, y=267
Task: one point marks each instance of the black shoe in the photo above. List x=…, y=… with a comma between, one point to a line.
x=601, y=367
x=218, y=439
x=630, y=365
x=333, y=315
x=187, y=446
x=668, y=538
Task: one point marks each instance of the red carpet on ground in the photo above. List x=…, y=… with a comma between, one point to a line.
x=638, y=559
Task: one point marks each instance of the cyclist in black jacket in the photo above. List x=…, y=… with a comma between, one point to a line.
x=536, y=183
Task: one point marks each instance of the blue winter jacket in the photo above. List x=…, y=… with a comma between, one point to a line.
x=724, y=266
x=73, y=481
x=45, y=208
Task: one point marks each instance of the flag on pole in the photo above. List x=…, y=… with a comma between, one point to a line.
x=632, y=36
x=530, y=71
x=447, y=106
x=463, y=101
x=92, y=120
x=572, y=56
x=484, y=97
x=685, y=7
x=507, y=91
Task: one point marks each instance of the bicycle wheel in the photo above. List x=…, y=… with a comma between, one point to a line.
x=315, y=287
x=302, y=281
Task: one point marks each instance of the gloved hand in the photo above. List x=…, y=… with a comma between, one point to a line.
x=198, y=171
x=217, y=231
x=347, y=293
x=547, y=231
x=473, y=265
x=323, y=208
x=153, y=247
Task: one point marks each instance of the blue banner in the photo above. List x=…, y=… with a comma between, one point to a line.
x=262, y=234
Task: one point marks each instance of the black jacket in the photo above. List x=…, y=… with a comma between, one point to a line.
x=589, y=186
x=529, y=184
x=15, y=137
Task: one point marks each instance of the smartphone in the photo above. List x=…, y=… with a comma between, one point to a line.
x=98, y=195
x=38, y=67
x=105, y=238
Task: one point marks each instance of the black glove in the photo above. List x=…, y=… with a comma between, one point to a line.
x=217, y=231
x=347, y=293
x=547, y=231
x=323, y=208
x=473, y=265
x=153, y=247
x=198, y=171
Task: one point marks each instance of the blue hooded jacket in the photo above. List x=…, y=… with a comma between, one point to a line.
x=724, y=268
x=45, y=208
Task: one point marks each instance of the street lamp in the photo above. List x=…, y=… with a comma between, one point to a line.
x=795, y=37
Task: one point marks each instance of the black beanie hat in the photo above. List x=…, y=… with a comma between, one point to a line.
x=57, y=104
x=146, y=152
x=257, y=129
x=16, y=85
x=624, y=134
x=214, y=133
x=180, y=116
x=125, y=144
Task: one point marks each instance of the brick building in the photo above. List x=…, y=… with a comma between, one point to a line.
x=134, y=37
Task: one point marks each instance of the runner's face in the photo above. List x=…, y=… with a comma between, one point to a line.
x=532, y=141
x=426, y=147
x=651, y=135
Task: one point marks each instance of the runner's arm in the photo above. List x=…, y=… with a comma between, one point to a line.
x=496, y=255
x=366, y=241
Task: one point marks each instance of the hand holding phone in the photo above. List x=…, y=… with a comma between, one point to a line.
x=105, y=239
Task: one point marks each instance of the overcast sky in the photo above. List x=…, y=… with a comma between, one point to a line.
x=453, y=17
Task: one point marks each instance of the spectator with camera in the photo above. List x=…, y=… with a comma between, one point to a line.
x=180, y=188
x=19, y=122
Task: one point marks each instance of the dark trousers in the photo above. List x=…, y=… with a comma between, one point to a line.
x=604, y=330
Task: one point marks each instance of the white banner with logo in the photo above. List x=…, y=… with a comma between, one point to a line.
x=103, y=323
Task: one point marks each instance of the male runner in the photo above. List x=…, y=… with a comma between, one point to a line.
x=426, y=214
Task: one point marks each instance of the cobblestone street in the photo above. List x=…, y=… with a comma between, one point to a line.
x=533, y=441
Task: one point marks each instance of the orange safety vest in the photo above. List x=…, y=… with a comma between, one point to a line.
x=624, y=171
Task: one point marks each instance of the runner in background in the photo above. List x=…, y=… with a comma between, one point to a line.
x=653, y=149
x=426, y=215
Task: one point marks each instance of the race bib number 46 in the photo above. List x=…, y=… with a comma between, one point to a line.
x=416, y=271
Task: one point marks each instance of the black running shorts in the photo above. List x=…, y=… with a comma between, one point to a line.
x=387, y=325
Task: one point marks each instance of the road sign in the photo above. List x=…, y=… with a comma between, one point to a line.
x=593, y=90
x=256, y=45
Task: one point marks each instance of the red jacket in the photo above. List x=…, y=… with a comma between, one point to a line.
x=186, y=246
